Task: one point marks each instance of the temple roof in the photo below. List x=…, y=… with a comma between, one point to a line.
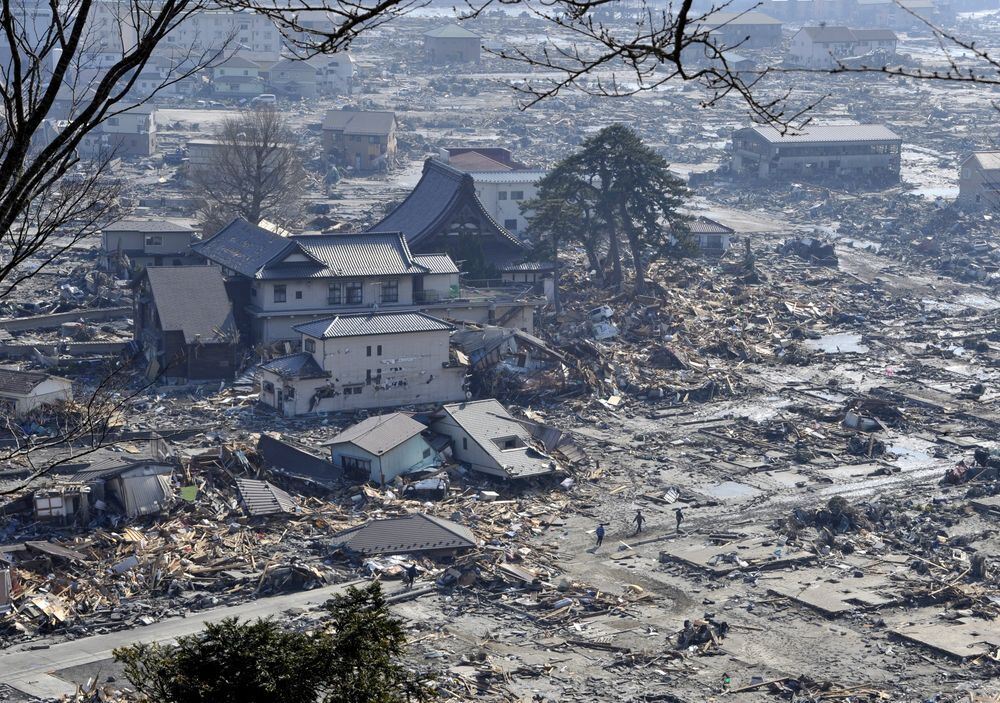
x=429, y=208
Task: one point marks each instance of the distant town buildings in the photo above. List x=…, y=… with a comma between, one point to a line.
x=821, y=47
x=129, y=134
x=743, y=30
x=451, y=44
x=867, y=152
x=979, y=179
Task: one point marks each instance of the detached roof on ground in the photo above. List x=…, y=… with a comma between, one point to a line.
x=405, y=535
x=380, y=433
x=16, y=382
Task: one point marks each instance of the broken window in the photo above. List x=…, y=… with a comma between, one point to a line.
x=390, y=291
x=268, y=387
x=280, y=293
x=355, y=467
x=310, y=345
x=154, y=240
x=353, y=390
x=510, y=225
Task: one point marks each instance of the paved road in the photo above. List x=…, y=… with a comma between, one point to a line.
x=29, y=671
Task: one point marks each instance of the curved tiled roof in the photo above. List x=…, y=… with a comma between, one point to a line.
x=429, y=207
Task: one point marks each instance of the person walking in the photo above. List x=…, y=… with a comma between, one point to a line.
x=411, y=575
x=639, y=519
x=600, y=534
x=680, y=518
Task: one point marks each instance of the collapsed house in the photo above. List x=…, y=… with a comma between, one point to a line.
x=383, y=447
x=24, y=391
x=412, y=534
x=102, y=482
x=377, y=360
x=486, y=438
x=185, y=324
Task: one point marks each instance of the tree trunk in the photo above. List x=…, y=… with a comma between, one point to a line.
x=635, y=244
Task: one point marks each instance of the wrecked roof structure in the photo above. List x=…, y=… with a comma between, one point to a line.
x=406, y=535
x=260, y=498
x=443, y=213
x=380, y=433
x=487, y=438
x=298, y=365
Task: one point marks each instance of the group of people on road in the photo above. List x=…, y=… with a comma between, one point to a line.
x=639, y=520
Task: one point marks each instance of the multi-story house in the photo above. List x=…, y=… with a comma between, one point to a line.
x=278, y=283
x=360, y=139
x=365, y=360
x=237, y=77
x=146, y=243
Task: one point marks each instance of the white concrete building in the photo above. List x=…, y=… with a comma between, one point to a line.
x=24, y=391
x=382, y=447
x=218, y=29
x=503, y=192
x=367, y=360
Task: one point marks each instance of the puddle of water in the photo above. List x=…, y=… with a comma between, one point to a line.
x=731, y=490
x=844, y=343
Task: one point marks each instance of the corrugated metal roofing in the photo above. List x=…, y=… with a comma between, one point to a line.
x=814, y=134
x=704, y=225
x=436, y=263
x=487, y=420
x=365, y=324
x=299, y=365
x=507, y=176
x=261, y=498
x=405, y=535
x=380, y=433
x=136, y=225
x=336, y=255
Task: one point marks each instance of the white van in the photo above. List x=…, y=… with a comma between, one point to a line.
x=265, y=99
